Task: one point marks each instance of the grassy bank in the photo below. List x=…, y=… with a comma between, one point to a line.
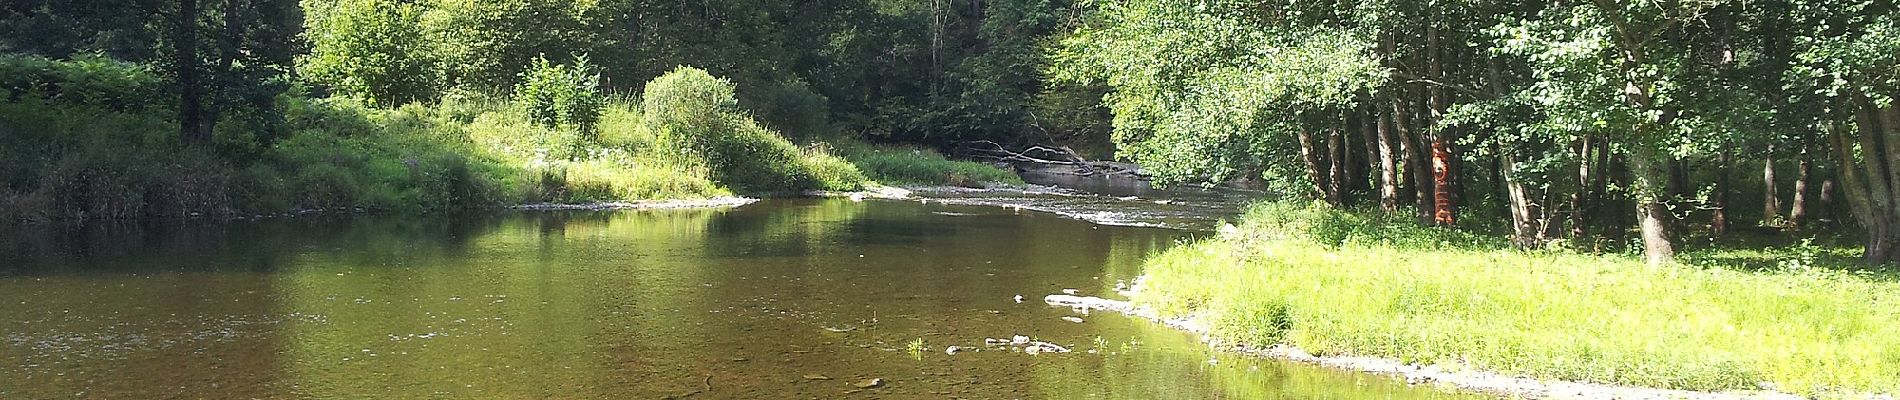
x=905, y=165
x=80, y=140
x=1337, y=283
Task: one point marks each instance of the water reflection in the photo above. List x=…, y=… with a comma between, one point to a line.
x=782, y=299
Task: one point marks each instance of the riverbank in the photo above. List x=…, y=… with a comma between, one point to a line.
x=1375, y=295
x=87, y=160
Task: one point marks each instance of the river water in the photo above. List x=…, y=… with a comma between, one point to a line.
x=782, y=299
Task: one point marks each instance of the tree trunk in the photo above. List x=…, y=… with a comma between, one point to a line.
x=1414, y=160
x=1770, y=199
x=1868, y=181
x=1527, y=224
x=1825, y=201
x=1798, y=213
x=1336, y=159
x=1678, y=193
x=1443, y=206
x=191, y=129
x=1718, y=201
x=1314, y=171
x=1591, y=158
x=1364, y=176
x=1649, y=171
x=1388, y=167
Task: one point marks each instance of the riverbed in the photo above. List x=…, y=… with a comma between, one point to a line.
x=790, y=298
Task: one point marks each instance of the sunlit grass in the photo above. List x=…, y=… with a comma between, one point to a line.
x=917, y=166
x=1340, y=283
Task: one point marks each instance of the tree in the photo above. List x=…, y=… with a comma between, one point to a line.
x=372, y=49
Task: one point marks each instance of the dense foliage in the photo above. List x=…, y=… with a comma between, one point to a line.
x=1565, y=115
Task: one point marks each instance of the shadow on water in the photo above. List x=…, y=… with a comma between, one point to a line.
x=780, y=299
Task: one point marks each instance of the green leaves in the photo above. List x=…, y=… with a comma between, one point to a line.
x=371, y=49
x=561, y=96
x=1208, y=91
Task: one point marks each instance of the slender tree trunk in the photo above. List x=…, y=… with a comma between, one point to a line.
x=1798, y=213
x=1366, y=169
x=1770, y=199
x=1336, y=158
x=1583, y=201
x=1444, y=208
x=1824, y=203
x=1414, y=159
x=1388, y=158
x=1388, y=167
x=1718, y=215
x=1677, y=196
x=191, y=129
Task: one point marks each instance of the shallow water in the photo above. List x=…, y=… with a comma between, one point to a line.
x=756, y=302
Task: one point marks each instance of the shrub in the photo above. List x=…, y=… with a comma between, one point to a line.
x=561, y=96
x=753, y=159
x=686, y=111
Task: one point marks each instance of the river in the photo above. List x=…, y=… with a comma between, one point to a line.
x=781, y=299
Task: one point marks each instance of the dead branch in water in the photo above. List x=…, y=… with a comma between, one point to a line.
x=1045, y=155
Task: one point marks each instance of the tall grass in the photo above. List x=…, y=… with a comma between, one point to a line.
x=919, y=166
x=1334, y=282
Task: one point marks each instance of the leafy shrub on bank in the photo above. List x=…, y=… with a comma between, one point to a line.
x=557, y=96
x=686, y=111
x=693, y=123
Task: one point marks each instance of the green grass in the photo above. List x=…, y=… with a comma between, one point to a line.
x=917, y=166
x=1335, y=282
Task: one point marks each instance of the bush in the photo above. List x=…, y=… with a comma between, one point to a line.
x=753, y=159
x=561, y=96
x=686, y=111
